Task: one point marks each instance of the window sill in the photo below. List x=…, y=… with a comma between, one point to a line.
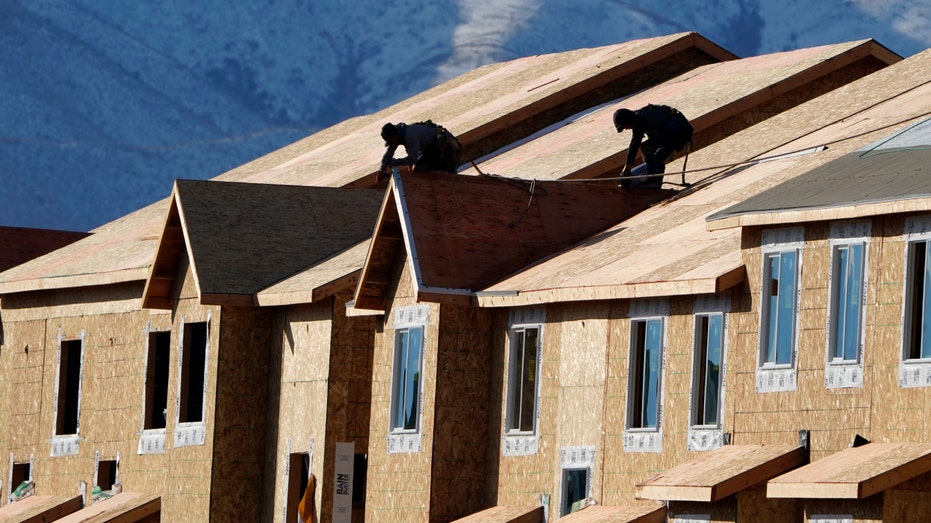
x=775, y=379
x=915, y=373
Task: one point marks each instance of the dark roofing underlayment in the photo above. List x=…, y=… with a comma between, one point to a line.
x=896, y=168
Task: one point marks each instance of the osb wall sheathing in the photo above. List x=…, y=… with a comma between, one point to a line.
x=623, y=470
x=833, y=416
x=898, y=414
x=399, y=483
x=722, y=511
x=753, y=505
x=319, y=394
x=111, y=384
x=908, y=502
x=297, y=394
x=881, y=410
x=462, y=412
x=239, y=413
x=190, y=469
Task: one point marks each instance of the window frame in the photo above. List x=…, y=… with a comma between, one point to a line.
x=773, y=372
x=191, y=432
x=516, y=335
x=838, y=297
x=401, y=359
x=840, y=370
x=700, y=349
x=67, y=443
x=637, y=388
x=770, y=330
x=915, y=367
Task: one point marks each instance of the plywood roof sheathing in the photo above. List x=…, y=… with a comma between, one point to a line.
x=722, y=472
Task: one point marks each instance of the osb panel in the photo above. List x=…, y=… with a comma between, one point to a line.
x=399, y=484
x=753, y=505
x=868, y=510
x=623, y=470
x=462, y=412
x=905, y=506
x=723, y=511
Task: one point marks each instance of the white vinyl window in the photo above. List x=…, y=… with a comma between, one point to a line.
x=846, y=304
x=523, y=381
x=407, y=380
x=67, y=426
x=779, y=297
x=406, y=383
x=915, y=363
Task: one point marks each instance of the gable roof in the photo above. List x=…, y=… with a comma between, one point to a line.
x=719, y=99
x=461, y=233
x=484, y=107
x=668, y=250
x=241, y=238
x=488, y=107
x=890, y=176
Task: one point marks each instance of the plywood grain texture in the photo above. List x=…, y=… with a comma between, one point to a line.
x=644, y=513
x=39, y=509
x=633, y=260
x=854, y=473
x=483, y=107
x=720, y=473
x=504, y=514
x=125, y=507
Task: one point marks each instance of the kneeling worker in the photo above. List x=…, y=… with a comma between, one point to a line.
x=668, y=131
x=429, y=147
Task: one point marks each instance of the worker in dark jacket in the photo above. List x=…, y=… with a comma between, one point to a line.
x=667, y=131
x=429, y=147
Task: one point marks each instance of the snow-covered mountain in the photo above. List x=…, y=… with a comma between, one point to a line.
x=103, y=103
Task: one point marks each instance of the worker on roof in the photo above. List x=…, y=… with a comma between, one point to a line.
x=668, y=131
x=429, y=147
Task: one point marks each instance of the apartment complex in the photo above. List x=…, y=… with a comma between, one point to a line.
x=524, y=341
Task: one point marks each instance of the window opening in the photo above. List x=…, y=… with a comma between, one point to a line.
x=298, y=480
x=709, y=339
x=918, y=299
x=405, y=409
x=523, y=379
x=193, y=366
x=156, y=389
x=646, y=348
x=69, y=388
x=780, y=289
x=574, y=489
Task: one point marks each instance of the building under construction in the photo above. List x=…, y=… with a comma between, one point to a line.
x=524, y=341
